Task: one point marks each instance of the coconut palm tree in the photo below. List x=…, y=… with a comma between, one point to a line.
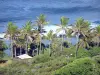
x=50, y=37
x=63, y=27
x=37, y=41
x=26, y=32
x=80, y=29
x=98, y=34
x=20, y=43
x=40, y=22
x=11, y=30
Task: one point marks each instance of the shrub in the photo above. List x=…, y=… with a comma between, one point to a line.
x=41, y=58
x=97, y=59
x=83, y=53
x=83, y=66
x=94, y=51
x=15, y=69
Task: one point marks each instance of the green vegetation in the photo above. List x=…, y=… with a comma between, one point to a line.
x=3, y=47
x=63, y=28
x=60, y=63
x=82, y=66
x=60, y=57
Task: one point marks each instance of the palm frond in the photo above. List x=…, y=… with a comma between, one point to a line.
x=58, y=30
x=64, y=21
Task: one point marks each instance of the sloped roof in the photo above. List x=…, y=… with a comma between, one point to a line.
x=24, y=56
x=2, y=35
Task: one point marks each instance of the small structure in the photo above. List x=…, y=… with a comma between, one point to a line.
x=24, y=56
x=2, y=35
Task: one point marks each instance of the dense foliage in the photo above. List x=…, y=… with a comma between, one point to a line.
x=60, y=63
x=59, y=57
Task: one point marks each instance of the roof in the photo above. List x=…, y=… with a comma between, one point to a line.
x=2, y=35
x=24, y=56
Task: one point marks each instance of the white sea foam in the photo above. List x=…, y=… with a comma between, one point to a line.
x=93, y=25
x=2, y=35
x=54, y=29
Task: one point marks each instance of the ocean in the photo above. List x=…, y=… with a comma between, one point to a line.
x=20, y=11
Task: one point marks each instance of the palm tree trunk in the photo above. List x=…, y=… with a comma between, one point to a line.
x=40, y=37
x=26, y=44
x=33, y=53
x=62, y=43
x=50, y=50
x=98, y=42
x=43, y=49
x=15, y=51
x=11, y=47
x=40, y=43
x=77, y=47
x=20, y=50
x=40, y=46
x=37, y=50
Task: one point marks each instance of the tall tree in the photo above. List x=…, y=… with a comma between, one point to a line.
x=40, y=22
x=26, y=31
x=81, y=28
x=98, y=34
x=50, y=37
x=11, y=30
x=20, y=43
x=63, y=27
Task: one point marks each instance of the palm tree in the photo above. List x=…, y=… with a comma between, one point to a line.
x=80, y=29
x=37, y=41
x=63, y=27
x=98, y=34
x=20, y=43
x=3, y=47
x=26, y=31
x=50, y=37
x=41, y=21
x=11, y=30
